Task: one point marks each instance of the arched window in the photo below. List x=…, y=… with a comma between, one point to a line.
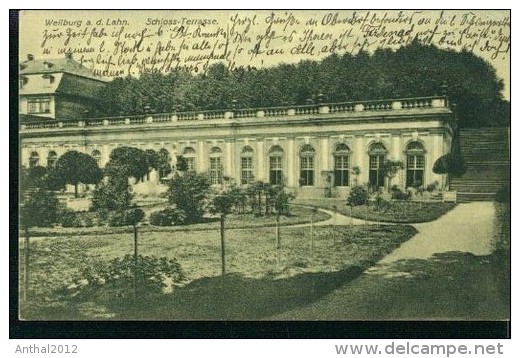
x=377, y=155
x=307, y=165
x=414, y=165
x=276, y=165
x=96, y=154
x=189, y=154
x=215, y=165
x=341, y=165
x=34, y=160
x=246, y=165
x=52, y=157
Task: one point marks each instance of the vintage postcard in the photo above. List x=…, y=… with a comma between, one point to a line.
x=287, y=165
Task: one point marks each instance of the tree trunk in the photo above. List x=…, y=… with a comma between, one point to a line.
x=334, y=228
x=76, y=190
x=135, y=261
x=26, y=268
x=278, y=238
x=312, y=233
x=223, y=243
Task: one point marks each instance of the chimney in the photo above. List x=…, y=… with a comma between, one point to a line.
x=68, y=55
x=30, y=57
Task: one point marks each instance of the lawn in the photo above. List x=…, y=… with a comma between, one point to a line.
x=299, y=215
x=261, y=281
x=448, y=286
x=406, y=212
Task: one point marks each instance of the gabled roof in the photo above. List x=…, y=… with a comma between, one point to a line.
x=64, y=65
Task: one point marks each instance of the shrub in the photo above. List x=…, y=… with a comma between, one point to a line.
x=69, y=218
x=112, y=194
x=432, y=187
x=503, y=194
x=115, y=278
x=399, y=194
x=168, y=217
x=124, y=218
x=381, y=203
x=451, y=163
x=189, y=193
x=39, y=208
x=358, y=196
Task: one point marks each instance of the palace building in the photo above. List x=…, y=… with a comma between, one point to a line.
x=309, y=148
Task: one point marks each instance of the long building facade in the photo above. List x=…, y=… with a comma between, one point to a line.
x=314, y=150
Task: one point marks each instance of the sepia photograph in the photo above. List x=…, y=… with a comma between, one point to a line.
x=264, y=165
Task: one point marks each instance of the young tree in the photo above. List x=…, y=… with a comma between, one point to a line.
x=390, y=169
x=222, y=204
x=280, y=200
x=189, y=193
x=75, y=167
x=133, y=217
x=38, y=208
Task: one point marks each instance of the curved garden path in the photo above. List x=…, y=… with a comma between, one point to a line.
x=466, y=228
x=440, y=273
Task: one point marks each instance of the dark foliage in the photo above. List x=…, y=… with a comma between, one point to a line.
x=451, y=163
x=127, y=217
x=358, y=196
x=189, y=193
x=112, y=194
x=39, y=208
x=75, y=167
x=168, y=217
x=503, y=195
x=415, y=70
x=114, y=279
x=130, y=162
x=399, y=194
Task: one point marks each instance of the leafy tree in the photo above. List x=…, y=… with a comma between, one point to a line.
x=112, y=195
x=33, y=177
x=413, y=70
x=390, y=169
x=130, y=162
x=189, y=193
x=163, y=163
x=75, y=167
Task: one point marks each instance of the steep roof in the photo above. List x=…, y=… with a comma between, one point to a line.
x=66, y=65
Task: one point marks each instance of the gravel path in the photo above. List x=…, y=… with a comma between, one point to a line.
x=467, y=228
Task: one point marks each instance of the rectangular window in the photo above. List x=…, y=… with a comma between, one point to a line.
x=215, y=170
x=246, y=170
x=415, y=171
x=275, y=170
x=375, y=175
x=341, y=170
x=307, y=171
x=39, y=105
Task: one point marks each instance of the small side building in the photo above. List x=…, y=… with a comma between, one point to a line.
x=60, y=89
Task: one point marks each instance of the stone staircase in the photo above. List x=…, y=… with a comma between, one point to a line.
x=487, y=157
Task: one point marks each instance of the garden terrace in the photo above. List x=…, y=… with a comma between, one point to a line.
x=315, y=111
